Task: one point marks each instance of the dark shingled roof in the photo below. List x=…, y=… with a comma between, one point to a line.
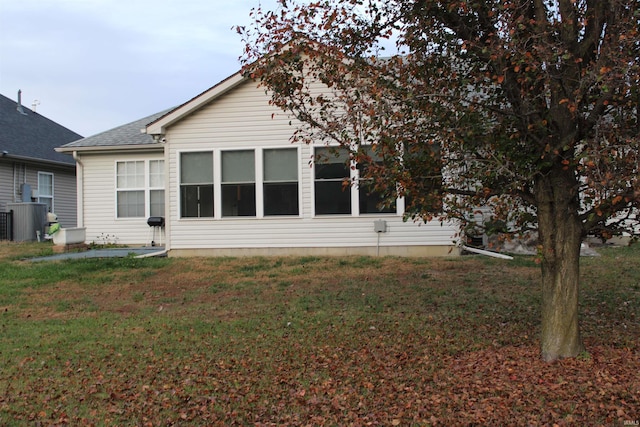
x=30, y=135
x=129, y=134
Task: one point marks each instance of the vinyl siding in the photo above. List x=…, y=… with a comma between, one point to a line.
x=99, y=207
x=64, y=198
x=6, y=188
x=14, y=174
x=243, y=118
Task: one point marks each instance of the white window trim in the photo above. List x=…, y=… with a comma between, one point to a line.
x=258, y=181
x=354, y=177
x=178, y=184
x=261, y=184
x=147, y=187
x=218, y=184
x=258, y=157
x=355, y=208
x=399, y=200
x=49, y=197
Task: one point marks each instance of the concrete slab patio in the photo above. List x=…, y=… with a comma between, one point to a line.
x=137, y=252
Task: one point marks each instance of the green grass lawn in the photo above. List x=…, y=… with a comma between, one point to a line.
x=309, y=341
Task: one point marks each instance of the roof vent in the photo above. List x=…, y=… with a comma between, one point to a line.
x=19, y=107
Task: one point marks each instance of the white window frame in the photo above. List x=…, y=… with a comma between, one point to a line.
x=358, y=180
x=263, y=181
x=259, y=183
x=49, y=197
x=353, y=191
x=257, y=159
x=156, y=188
x=146, y=188
x=216, y=187
x=354, y=178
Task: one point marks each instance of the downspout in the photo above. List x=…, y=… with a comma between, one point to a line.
x=79, y=190
x=163, y=252
x=487, y=253
x=167, y=197
x=162, y=139
x=15, y=195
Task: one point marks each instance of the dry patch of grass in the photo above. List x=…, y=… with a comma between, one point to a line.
x=310, y=341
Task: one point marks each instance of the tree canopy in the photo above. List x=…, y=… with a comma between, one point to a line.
x=526, y=107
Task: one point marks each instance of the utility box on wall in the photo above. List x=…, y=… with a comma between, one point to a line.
x=25, y=193
x=380, y=226
x=29, y=220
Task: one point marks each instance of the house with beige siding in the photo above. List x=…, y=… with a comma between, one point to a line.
x=223, y=174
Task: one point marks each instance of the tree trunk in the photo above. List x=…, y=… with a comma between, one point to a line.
x=560, y=234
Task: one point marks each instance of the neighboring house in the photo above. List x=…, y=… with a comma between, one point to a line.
x=223, y=173
x=30, y=168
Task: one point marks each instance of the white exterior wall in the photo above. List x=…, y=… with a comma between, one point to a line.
x=242, y=118
x=98, y=184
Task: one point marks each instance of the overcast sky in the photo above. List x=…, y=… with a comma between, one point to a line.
x=92, y=65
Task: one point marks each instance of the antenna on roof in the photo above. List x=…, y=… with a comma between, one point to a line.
x=19, y=107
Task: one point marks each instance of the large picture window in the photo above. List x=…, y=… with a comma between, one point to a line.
x=45, y=189
x=280, y=182
x=196, y=184
x=332, y=187
x=238, y=183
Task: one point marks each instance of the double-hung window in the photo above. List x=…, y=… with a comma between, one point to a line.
x=280, y=181
x=156, y=188
x=130, y=188
x=238, y=183
x=196, y=184
x=45, y=189
x=139, y=188
x=332, y=185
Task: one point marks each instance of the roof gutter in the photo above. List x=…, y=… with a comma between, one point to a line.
x=111, y=148
x=6, y=155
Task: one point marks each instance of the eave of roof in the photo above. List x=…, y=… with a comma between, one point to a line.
x=39, y=161
x=29, y=136
x=126, y=137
